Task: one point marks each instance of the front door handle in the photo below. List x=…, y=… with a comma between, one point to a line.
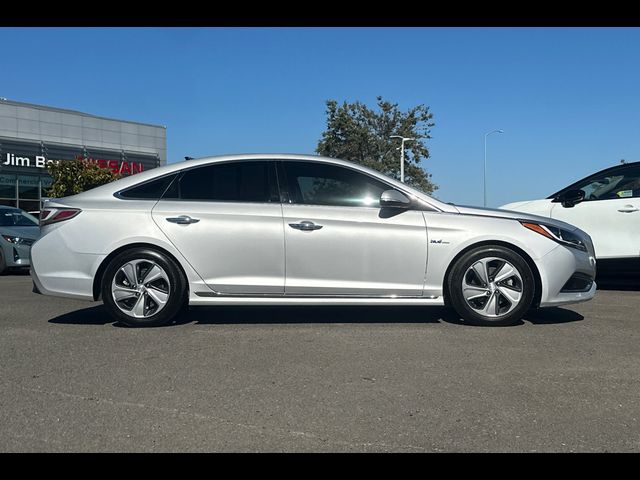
x=628, y=209
x=183, y=220
x=305, y=225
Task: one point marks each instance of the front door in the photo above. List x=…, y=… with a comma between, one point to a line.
x=340, y=242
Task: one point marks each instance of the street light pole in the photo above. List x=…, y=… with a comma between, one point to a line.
x=485, y=162
x=404, y=139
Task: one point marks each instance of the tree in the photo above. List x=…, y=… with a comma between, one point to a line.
x=76, y=176
x=361, y=135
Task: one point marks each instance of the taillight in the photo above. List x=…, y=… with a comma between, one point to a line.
x=55, y=215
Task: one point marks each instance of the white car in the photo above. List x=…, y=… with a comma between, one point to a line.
x=606, y=205
x=299, y=230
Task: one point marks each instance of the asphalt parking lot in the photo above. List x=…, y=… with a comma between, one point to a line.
x=330, y=379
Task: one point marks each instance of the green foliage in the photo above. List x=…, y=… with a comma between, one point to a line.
x=359, y=134
x=76, y=176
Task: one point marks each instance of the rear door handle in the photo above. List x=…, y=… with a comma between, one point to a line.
x=305, y=225
x=628, y=209
x=183, y=220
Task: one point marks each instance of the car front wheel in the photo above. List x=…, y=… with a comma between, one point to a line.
x=143, y=288
x=491, y=285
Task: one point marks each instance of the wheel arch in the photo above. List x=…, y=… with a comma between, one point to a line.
x=97, y=279
x=537, y=295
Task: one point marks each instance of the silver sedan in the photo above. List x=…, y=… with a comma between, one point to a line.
x=300, y=230
x=18, y=231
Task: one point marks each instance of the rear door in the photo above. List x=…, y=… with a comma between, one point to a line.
x=226, y=219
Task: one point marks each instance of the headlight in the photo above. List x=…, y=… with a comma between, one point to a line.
x=560, y=235
x=18, y=240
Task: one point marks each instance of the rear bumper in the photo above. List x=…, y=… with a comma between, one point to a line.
x=66, y=274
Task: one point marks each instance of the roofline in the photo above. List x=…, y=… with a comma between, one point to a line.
x=75, y=112
x=170, y=168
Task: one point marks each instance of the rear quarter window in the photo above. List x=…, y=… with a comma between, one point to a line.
x=151, y=190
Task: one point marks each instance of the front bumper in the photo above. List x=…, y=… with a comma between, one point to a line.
x=560, y=265
x=15, y=256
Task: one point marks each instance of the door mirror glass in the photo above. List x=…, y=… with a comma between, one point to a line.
x=570, y=198
x=394, y=199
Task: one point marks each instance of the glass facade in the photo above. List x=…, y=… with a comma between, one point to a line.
x=32, y=136
x=24, y=180
x=23, y=191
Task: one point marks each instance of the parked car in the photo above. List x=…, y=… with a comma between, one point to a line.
x=18, y=231
x=606, y=205
x=299, y=230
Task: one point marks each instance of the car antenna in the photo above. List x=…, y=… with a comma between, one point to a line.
x=188, y=158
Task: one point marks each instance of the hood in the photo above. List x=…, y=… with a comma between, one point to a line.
x=499, y=213
x=517, y=205
x=24, y=232
x=537, y=207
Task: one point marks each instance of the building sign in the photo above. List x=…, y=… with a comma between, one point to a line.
x=122, y=166
x=17, y=161
x=40, y=161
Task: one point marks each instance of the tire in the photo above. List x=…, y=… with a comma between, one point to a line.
x=491, y=303
x=141, y=305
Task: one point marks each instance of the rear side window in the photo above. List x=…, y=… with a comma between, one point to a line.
x=152, y=190
x=229, y=182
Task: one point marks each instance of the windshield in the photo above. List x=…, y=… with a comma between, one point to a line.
x=16, y=218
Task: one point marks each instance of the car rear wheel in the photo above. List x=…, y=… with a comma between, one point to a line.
x=144, y=288
x=491, y=285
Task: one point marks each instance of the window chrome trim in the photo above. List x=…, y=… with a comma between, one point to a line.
x=280, y=176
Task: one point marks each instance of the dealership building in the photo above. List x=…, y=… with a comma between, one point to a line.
x=33, y=135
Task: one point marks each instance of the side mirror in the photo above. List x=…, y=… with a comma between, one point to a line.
x=570, y=198
x=394, y=199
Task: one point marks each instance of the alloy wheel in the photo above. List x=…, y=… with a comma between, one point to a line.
x=140, y=288
x=492, y=286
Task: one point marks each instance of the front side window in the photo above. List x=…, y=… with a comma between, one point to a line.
x=621, y=183
x=314, y=183
x=228, y=182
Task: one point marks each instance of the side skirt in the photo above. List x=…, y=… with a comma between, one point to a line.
x=206, y=298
